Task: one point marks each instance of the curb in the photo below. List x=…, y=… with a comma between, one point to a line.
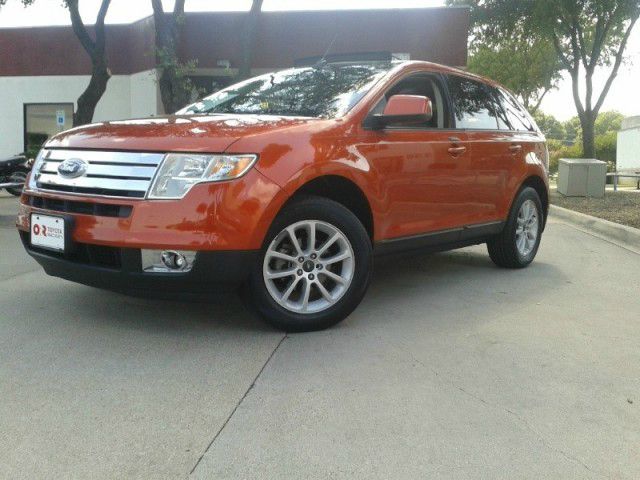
x=621, y=235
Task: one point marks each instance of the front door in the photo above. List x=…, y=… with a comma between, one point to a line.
x=423, y=171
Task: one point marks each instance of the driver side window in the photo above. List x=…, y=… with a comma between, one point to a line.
x=423, y=85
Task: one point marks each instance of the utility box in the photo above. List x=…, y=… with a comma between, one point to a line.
x=581, y=177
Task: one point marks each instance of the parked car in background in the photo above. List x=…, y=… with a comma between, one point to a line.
x=288, y=184
x=14, y=171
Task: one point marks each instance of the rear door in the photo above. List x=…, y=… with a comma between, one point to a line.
x=524, y=143
x=490, y=156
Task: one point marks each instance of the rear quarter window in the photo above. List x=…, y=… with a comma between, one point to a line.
x=516, y=115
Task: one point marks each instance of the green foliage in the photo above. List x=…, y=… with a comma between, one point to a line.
x=608, y=122
x=573, y=129
x=25, y=3
x=570, y=146
x=558, y=150
x=528, y=68
x=550, y=126
x=167, y=60
x=606, y=148
x=586, y=34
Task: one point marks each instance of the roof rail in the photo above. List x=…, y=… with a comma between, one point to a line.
x=361, y=57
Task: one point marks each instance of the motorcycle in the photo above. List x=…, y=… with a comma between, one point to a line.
x=13, y=173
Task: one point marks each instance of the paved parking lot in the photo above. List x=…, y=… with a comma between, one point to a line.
x=451, y=368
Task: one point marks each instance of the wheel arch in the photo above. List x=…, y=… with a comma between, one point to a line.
x=342, y=190
x=540, y=186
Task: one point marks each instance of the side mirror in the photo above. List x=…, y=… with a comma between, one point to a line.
x=402, y=110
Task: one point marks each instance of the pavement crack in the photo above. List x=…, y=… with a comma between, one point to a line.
x=529, y=427
x=219, y=432
x=517, y=416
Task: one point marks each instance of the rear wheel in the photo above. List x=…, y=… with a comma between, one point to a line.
x=517, y=245
x=314, y=268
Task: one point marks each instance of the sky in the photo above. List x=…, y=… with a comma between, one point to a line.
x=624, y=95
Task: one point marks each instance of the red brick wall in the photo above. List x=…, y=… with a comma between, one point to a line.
x=434, y=34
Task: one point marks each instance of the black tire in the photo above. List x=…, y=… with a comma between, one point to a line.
x=18, y=176
x=502, y=248
x=338, y=216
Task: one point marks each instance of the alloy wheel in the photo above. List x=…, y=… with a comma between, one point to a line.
x=527, y=228
x=308, y=267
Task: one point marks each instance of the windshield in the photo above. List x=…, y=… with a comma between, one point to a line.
x=326, y=91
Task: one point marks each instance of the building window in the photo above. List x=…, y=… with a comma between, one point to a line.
x=42, y=121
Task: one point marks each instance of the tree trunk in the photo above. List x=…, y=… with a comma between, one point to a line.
x=89, y=99
x=587, y=122
x=96, y=50
x=248, y=39
x=173, y=88
x=173, y=91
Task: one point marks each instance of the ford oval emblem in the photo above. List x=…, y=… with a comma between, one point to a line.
x=72, y=168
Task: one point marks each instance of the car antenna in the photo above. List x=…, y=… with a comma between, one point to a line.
x=323, y=59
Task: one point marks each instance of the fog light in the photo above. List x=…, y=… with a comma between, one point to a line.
x=168, y=261
x=173, y=260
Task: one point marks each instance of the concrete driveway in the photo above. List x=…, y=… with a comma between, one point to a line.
x=451, y=368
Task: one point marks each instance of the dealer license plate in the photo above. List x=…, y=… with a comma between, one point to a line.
x=47, y=232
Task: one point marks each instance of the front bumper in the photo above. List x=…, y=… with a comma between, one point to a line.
x=120, y=270
x=222, y=216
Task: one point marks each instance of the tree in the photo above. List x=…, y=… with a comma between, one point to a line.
x=550, y=126
x=96, y=50
x=530, y=69
x=248, y=39
x=586, y=34
x=573, y=129
x=608, y=122
x=175, y=86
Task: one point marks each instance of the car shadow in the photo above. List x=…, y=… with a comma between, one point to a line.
x=465, y=283
x=397, y=282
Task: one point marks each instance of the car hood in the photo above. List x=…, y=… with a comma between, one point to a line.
x=177, y=133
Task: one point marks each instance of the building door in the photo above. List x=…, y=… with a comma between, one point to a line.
x=42, y=121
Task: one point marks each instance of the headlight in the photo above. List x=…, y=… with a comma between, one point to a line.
x=35, y=170
x=178, y=172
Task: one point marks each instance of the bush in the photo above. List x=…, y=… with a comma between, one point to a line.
x=606, y=148
x=558, y=150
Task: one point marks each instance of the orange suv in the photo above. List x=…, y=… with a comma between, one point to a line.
x=288, y=184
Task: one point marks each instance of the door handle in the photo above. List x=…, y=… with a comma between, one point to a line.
x=457, y=150
x=515, y=148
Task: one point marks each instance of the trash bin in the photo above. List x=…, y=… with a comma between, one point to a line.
x=581, y=177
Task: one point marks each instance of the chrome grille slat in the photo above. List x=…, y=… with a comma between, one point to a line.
x=137, y=158
x=101, y=183
x=115, y=174
x=106, y=170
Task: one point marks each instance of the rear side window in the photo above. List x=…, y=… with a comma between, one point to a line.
x=473, y=104
x=516, y=115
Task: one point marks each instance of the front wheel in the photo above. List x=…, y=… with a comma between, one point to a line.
x=314, y=268
x=516, y=246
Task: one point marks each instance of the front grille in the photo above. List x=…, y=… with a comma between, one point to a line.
x=84, y=208
x=83, y=253
x=112, y=174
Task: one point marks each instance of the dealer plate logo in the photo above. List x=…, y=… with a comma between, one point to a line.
x=72, y=168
